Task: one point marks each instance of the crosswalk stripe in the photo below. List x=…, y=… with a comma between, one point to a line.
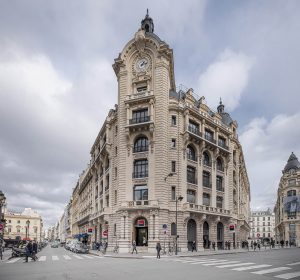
x=288, y=275
x=220, y=263
x=276, y=269
x=233, y=265
x=42, y=258
x=296, y=263
x=13, y=260
x=67, y=257
x=212, y=261
x=251, y=267
x=55, y=258
x=88, y=257
x=77, y=257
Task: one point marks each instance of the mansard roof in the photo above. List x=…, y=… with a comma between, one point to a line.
x=292, y=163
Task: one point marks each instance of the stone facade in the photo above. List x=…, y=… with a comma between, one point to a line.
x=162, y=153
x=262, y=225
x=19, y=226
x=287, y=208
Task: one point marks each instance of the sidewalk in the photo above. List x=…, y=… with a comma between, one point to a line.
x=144, y=255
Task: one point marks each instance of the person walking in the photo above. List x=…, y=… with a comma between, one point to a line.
x=158, y=249
x=144, y=241
x=194, y=246
x=28, y=251
x=134, y=247
x=34, y=250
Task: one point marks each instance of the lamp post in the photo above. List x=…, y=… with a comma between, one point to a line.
x=27, y=228
x=2, y=220
x=178, y=198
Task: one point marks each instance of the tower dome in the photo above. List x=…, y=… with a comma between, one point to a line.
x=292, y=163
x=147, y=23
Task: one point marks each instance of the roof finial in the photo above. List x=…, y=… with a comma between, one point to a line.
x=220, y=101
x=147, y=13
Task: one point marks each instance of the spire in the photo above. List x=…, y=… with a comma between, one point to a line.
x=220, y=107
x=292, y=163
x=147, y=23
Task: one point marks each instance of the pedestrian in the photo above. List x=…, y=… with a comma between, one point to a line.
x=158, y=249
x=228, y=245
x=214, y=245
x=134, y=247
x=251, y=244
x=281, y=243
x=254, y=244
x=105, y=244
x=286, y=243
x=258, y=245
x=34, y=250
x=194, y=246
x=28, y=251
x=144, y=241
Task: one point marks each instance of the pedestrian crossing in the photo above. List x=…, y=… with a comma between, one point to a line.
x=55, y=258
x=281, y=272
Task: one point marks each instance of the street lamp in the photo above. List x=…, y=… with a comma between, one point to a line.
x=27, y=228
x=178, y=198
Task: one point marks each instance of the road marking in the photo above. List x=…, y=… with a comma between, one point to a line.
x=88, y=257
x=233, y=265
x=55, y=258
x=13, y=260
x=220, y=263
x=251, y=267
x=296, y=263
x=212, y=261
x=42, y=258
x=67, y=257
x=77, y=257
x=288, y=275
x=265, y=271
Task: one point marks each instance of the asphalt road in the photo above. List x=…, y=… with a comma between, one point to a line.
x=57, y=264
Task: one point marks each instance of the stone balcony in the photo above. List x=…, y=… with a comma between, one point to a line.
x=205, y=209
x=144, y=95
x=138, y=204
x=99, y=213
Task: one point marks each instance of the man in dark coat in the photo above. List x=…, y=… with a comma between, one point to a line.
x=158, y=249
x=34, y=250
x=29, y=251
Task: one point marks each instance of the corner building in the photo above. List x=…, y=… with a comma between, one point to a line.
x=161, y=144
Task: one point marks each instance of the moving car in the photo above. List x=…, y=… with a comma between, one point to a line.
x=80, y=248
x=54, y=244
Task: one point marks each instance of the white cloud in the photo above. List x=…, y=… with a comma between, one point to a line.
x=267, y=146
x=227, y=78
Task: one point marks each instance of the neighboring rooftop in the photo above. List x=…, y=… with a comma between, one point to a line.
x=292, y=163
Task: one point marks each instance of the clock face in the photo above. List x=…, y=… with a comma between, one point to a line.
x=142, y=64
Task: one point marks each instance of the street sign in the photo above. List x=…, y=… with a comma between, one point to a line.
x=90, y=230
x=105, y=233
x=165, y=226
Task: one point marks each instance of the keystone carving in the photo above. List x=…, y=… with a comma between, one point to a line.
x=140, y=41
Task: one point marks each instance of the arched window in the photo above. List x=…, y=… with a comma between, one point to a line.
x=206, y=159
x=291, y=193
x=191, y=153
x=220, y=166
x=140, y=168
x=141, y=145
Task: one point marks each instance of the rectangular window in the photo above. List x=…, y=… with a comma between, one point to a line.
x=107, y=200
x=222, y=142
x=194, y=128
x=141, y=89
x=173, y=143
x=140, y=192
x=116, y=150
x=191, y=175
x=292, y=182
x=268, y=218
x=140, y=168
x=209, y=135
x=206, y=199
x=220, y=183
x=219, y=201
x=116, y=197
x=191, y=196
x=206, y=179
x=173, y=168
x=173, y=193
x=291, y=193
x=264, y=218
x=173, y=120
x=140, y=116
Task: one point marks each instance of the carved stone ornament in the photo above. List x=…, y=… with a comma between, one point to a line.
x=140, y=41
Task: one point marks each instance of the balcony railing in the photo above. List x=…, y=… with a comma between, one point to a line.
x=207, y=185
x=194, y=130
x=140, y=174
x=193, y=158
x=209, y=164
x=221, y=144
x=140, y=203
x=139, y=120
x=210, y=139
x=192, y=180
x=220, y=188
x=206, y=209
x=140, y=149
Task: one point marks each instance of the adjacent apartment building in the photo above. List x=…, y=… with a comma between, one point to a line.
x=287, y=208
x=164, y=166
x=27, y=225
x=262, y=225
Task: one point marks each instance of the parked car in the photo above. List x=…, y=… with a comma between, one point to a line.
x=54, y=244
x=80, y=248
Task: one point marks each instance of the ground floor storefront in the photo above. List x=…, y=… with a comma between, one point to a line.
x=289, y=232
x=147, y=227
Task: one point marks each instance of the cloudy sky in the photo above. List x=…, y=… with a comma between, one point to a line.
x=57, y=84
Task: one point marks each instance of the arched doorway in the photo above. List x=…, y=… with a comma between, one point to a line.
x=220, y=235
x=206, y=242
x=191, y=233
x=141, y=231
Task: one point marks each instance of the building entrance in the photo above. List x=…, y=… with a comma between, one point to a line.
x=191, y=233
x=141, y=232
x=206, y=242
x=220, y=235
